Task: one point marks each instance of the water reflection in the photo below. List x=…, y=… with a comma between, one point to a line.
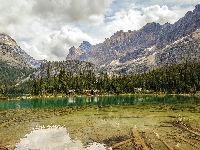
x=53, y=137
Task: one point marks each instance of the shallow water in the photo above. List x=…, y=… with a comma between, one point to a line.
x=105, y=120
x=51, y=138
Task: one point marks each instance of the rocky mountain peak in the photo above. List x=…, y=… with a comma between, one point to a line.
x=150, y=26
x=197, y=8
x=189, y=13
x=74, y=53
x=85, y=46
x=72, y=50
x=11, y=53
x=166, y=26
x=7, y=40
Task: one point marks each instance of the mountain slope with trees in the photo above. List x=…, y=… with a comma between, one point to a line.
x=11, y=79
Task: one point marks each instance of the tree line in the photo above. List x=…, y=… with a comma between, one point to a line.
x=174, y=79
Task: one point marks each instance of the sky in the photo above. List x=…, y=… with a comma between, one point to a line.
x=46, y=29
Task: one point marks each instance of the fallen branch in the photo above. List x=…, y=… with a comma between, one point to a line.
x=189, y=142
x=186, y=127
x=165, y=143
x=138, y=140
x=169, y=147
x=121, y=143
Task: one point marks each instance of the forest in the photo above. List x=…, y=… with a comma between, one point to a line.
x=174, y=79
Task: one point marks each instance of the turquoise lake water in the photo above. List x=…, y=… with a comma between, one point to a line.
x=100, y=100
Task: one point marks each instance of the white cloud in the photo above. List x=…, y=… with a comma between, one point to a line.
x=160, y=14
x=54, y=44
x=33, y=51
x=47, y=29
x=123, y=20
x=164, y=2
x=177, y=2
x=57, y=45
x=91, y=12
x=134, y=19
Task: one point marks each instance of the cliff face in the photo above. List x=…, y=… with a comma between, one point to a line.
x=11, y=53
x=142, y=50
x=185, y=49
x=79, y=53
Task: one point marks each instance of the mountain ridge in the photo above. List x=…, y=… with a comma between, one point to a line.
x=124, y=47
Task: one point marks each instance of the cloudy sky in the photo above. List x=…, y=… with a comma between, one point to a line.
x=46, y=29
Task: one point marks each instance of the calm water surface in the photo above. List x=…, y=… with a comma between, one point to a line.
x=100, y=100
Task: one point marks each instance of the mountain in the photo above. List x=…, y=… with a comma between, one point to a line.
x=185, y=49
x=147, y=48
x=85, y=46
x=79, y=53
x=75, y=54
x=12, y=54
x=72, y=66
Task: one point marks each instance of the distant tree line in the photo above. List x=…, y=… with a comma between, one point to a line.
x=177, y=78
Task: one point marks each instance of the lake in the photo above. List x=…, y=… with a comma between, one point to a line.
x=117, y=122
